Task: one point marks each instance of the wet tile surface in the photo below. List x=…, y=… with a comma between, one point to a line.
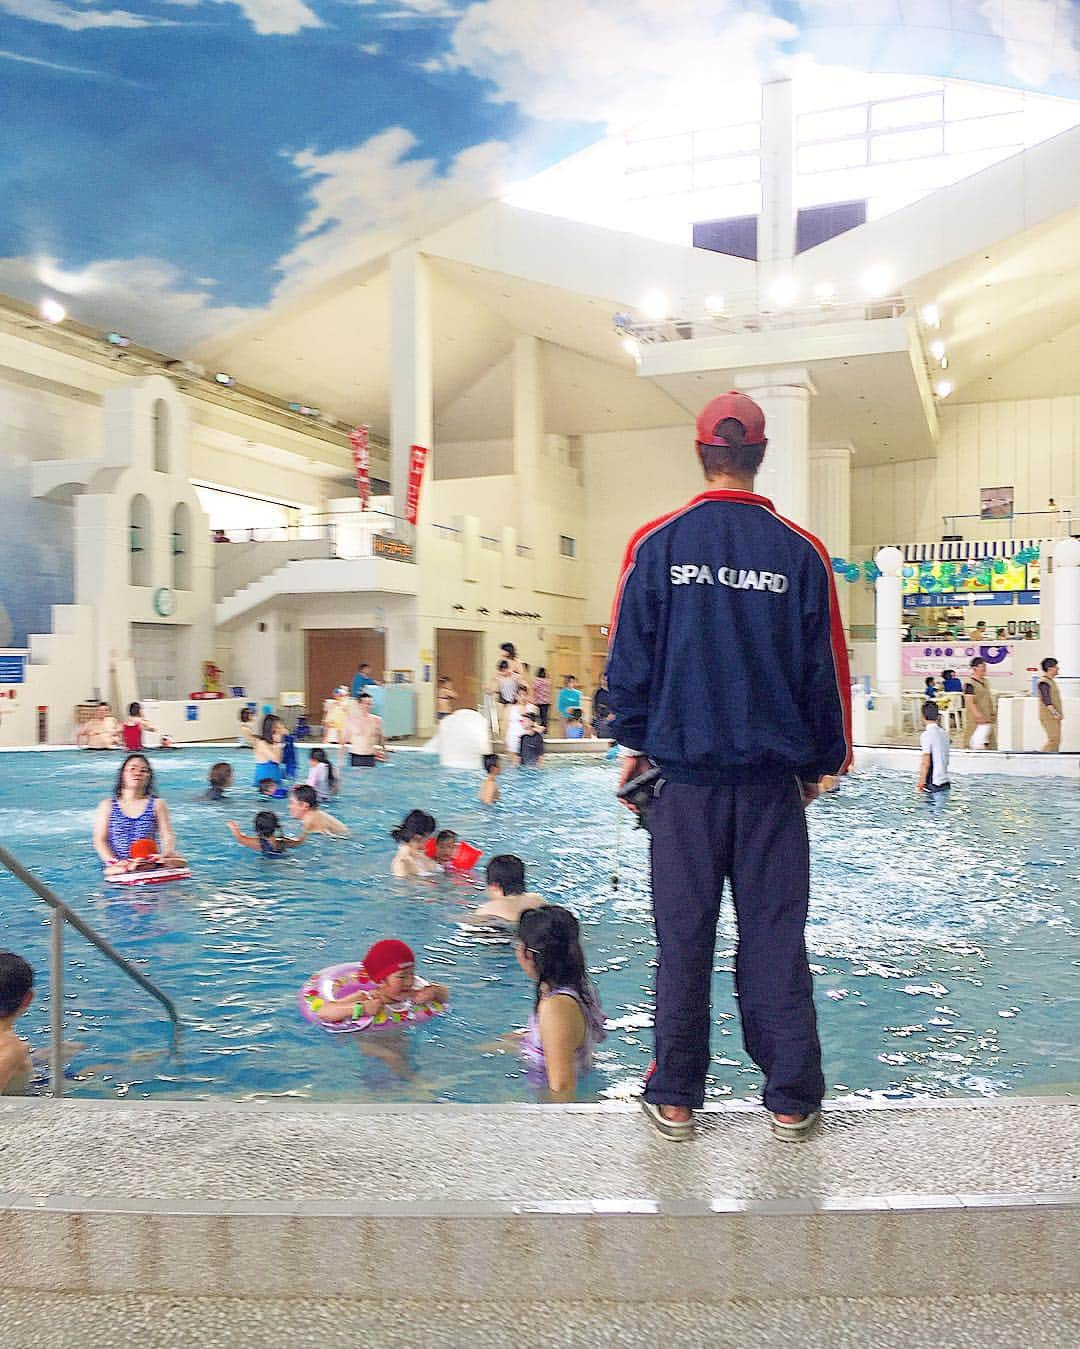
x=605, y=1157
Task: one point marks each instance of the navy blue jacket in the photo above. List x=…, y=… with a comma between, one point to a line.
x=727, y=658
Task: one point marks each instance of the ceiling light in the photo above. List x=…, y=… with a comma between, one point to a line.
x=824, y=292
x=52, y=311
x=784, y=290
x=943, y=388
x=944, y=362
x=222, y=378
x=630, y=346
x=655, y=305
x=714, y=305
x=930, y=315
x=877, y=282
x=937, y=349
x=117, y=340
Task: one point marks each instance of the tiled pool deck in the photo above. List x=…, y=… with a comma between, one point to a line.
x=468, y=1212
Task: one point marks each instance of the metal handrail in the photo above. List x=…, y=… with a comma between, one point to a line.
x=63, y=914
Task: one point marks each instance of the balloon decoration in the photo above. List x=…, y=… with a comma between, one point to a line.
x=944, y=576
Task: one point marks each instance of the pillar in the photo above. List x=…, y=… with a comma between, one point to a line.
x=411, y=395
x=528, y=436
x=776, y=223
x=784, y=477
x=889, y=614
x=1066, y=639
x=830, y=505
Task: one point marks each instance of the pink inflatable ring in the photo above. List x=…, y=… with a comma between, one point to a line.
x=337, y=982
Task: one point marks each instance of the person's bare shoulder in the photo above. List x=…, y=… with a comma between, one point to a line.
x=14, y=1060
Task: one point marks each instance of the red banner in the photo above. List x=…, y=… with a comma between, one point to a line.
x=417, y=456
x=358, y=439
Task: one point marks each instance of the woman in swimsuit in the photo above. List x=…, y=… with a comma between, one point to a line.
x=132, y=813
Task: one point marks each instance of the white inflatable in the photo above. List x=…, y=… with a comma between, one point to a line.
x=462, y=740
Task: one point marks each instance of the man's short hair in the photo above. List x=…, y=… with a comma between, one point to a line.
x=977, y=660
x=931, y=711
x=1046, y=662
x=738, y=456
x=306, y=794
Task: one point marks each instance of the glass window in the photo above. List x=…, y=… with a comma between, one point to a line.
x=567, y=546
x=721, y=172
x=824, y=126
x=716, y=142
x=834, y=155
x=984, y=133
x=907, y=145
x=899, y=112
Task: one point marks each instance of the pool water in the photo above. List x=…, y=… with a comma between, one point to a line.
x=942, y=934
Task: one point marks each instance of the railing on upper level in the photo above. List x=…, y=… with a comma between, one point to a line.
x=61, y=914
x=1054, y=523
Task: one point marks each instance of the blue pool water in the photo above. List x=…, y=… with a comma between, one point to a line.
x=943, y=935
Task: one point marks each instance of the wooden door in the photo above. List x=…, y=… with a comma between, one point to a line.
x=457, y=654
x=565, y=659
x=597, y=657
x=332, y=657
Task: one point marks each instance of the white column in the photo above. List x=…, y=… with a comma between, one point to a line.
x=1066, y=580
x=830, y=495
x=889, y=606
x=528, y=435
x=784, y=477
x=411, y=397
x=776, y=223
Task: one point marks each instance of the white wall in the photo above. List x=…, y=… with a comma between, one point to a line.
x=631, y=477
x=1033, y=446
x=472, y=459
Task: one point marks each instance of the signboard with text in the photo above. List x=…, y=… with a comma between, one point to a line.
x=358, y=440
x=923, y=658
x=383, y=545
x=417, y=456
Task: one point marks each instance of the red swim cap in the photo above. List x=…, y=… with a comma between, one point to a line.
x=143, y=847
x=386, y=957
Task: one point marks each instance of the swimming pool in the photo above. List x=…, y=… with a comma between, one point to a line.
x=943, y=934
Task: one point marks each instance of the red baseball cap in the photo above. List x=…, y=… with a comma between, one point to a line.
x=737, y=406
x=386, y=957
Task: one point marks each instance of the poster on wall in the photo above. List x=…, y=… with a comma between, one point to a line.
x=996, y=503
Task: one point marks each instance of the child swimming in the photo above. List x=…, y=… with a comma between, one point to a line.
x=566, y=1022
x=391, y=966
x=268, y=838
x=272, y=788
x=445, y=843
x=411, y=835
x=304, y=807
x=220, y=781
x=16, y=995
x=507, y=899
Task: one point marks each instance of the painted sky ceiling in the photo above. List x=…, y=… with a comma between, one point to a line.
x=172, y=167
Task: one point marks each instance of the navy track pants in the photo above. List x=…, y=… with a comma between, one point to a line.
x=753, y=835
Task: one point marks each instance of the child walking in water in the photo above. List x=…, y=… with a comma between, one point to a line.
x=411, y=834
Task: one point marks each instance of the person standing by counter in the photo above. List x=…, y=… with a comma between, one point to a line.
x=1050, y=711
x=364, y=735
x=978, y=708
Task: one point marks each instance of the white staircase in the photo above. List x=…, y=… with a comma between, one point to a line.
x=319, y=576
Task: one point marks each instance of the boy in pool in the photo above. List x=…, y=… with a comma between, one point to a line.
x=507, y=899
x=304, y=806
x=220, y=782
x=445, y=843
x=272, y=788
x=489, y=792
x=268, y=838
x=391, y=966
x=16, y=995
